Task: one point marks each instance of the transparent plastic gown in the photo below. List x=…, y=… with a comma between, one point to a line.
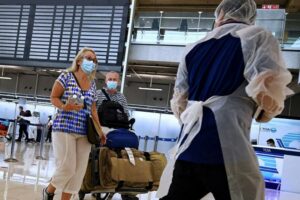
x=265, y=85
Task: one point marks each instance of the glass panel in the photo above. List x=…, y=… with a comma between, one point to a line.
x=146, y=36
x=292, y=31
x=146, y=125
x=169, y=129
x=175, y=28
x=273, y=21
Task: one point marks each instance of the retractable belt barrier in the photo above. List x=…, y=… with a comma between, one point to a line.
x=155, y=139
x=146, y=138
x=40, y=156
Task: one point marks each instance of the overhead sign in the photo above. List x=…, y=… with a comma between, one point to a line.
x=270, y=6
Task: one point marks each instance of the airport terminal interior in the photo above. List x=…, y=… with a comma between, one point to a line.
x=143, y=41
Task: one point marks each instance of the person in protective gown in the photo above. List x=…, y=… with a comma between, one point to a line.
x=232, y=75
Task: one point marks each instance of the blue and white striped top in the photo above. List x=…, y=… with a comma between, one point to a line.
x=73, y=121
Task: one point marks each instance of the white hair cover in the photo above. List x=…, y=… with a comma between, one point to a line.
x=237, y=10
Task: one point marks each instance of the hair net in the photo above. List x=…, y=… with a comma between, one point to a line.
x=238, y=10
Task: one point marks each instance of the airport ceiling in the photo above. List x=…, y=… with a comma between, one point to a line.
x=206, y=5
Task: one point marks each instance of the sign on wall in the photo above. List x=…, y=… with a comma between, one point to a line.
x=270, y=6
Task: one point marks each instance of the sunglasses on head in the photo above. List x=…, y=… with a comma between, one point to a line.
x=90, y=58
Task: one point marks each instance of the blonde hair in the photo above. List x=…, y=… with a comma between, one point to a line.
x=74, y=67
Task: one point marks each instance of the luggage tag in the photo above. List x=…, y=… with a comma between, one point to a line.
x=130, y=155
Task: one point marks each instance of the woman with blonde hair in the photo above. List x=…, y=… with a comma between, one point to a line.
x=70, y=145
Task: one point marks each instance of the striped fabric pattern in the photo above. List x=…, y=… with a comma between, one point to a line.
x=73, y=121
x=117, y=97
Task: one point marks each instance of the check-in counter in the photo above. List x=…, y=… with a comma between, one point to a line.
x=280, y=168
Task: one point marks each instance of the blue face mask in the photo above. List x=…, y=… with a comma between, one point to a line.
x=112, y=85
x=88, y=66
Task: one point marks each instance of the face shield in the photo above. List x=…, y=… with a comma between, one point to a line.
x=237, y=10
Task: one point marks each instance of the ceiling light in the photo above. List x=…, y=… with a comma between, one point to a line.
x=150, y=89
x=156, y=76
x=4, y=77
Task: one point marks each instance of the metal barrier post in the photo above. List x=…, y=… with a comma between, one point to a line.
x=146, y=143
x=40, y=157
x=13, y=141
x=37, y=176
x=140, y=138
x=149, y=195
x=155, y=143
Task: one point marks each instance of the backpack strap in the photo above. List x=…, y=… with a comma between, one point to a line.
x=77, y=83
x=84, y=103
x=106, y=95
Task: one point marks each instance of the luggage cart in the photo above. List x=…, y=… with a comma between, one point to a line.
x=106, y=194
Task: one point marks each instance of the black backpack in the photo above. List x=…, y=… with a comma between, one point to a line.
x=111, y=114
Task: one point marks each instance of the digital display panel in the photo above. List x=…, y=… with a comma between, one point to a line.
x=271, y=161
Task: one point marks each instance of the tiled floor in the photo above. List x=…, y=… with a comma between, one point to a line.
x=25, y=179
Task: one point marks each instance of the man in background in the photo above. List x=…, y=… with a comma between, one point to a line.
x=112, y=80
x=23, y=125
x=271, y=143
x=49, y=126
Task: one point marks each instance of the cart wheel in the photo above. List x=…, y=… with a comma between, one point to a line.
x=81, y=195
x=102, y=196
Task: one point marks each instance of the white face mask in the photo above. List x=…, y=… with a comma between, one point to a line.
x=88, y=66
x=112, y=85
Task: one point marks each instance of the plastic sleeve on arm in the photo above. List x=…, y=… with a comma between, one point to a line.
x=266, y=72
x=180, y=96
